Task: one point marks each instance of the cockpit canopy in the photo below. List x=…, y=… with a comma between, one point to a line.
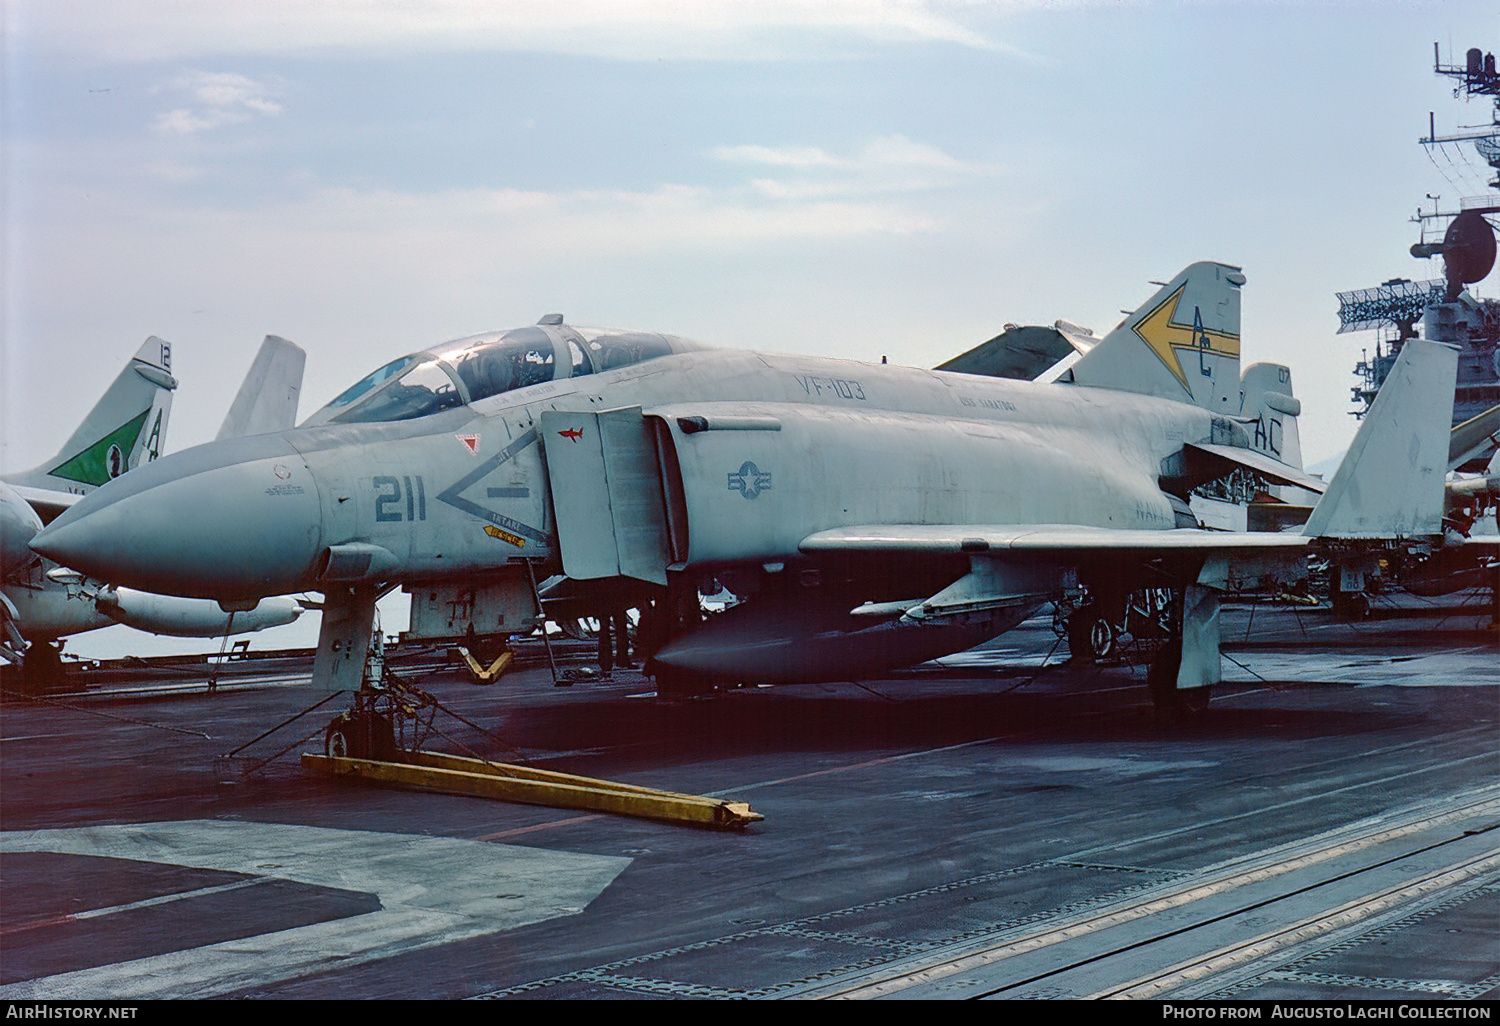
x=480, y=366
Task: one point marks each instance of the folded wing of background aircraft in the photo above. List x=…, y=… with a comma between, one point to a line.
x=867, y=516
x=1471, y=547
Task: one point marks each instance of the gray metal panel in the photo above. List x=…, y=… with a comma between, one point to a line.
x=1201, y=664
x=497, y=603
x=633, y=478
x=580, y=494
x=344, y=637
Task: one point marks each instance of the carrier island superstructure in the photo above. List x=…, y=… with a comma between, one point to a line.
x=1462, y=234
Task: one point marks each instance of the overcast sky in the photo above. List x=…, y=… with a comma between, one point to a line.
x=846, y=178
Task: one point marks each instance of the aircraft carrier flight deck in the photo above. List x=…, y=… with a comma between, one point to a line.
x=1004, y=824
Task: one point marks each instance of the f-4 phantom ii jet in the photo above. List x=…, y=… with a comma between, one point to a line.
x=126, y=429
x=868, y=516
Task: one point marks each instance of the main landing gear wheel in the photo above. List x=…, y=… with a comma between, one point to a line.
x=42, y=672
x=676, y=686
x=1351, y=605
x=1091, y=636
x=1171, y=702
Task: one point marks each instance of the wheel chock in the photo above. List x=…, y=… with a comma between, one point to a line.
x=494, y=672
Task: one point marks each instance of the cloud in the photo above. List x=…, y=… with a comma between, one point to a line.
x=888, y=164
x=787, y=156
x=172, y=171
x=381, y=268
x=623, y=29
x=885, y=152
x=899, y=151
x=217, y=99
x=450, y=243
x=671, y=218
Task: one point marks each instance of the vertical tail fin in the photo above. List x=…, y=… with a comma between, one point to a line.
x=1183, y=344
x=267, y=399
x=125, y=428
x=1390, y=484
x=1269, y=412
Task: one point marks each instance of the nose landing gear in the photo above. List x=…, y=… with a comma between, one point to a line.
x=367, y=731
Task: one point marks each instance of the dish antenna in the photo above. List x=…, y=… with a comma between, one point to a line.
x=1468, y=250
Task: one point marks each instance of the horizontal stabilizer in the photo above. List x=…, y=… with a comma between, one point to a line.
x=1265, y=466
x=49, y=504
x=1019, y=352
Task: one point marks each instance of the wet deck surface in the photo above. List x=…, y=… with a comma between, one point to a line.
x=987, y=827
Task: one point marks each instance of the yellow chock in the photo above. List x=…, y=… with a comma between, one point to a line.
x=495, y=670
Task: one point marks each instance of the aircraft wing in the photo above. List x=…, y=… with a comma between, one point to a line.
x=47, y=502
x=1056, y=539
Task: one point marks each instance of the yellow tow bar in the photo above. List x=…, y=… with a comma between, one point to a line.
x=432, y=771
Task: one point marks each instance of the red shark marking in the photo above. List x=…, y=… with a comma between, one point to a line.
x=572, y=433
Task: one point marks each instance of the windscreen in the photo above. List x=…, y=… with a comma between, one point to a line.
x=481, y=366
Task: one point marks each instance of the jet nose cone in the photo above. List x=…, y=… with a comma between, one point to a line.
x=219, y=521
x=67, y=544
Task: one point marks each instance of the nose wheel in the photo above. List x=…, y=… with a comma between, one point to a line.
x=355, y=735
x=369, y=729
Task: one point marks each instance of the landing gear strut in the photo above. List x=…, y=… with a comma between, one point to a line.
x=1186, y=666
x=1161, y=677
x=661, y=621
x=1171, y=701
x=351, y=657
